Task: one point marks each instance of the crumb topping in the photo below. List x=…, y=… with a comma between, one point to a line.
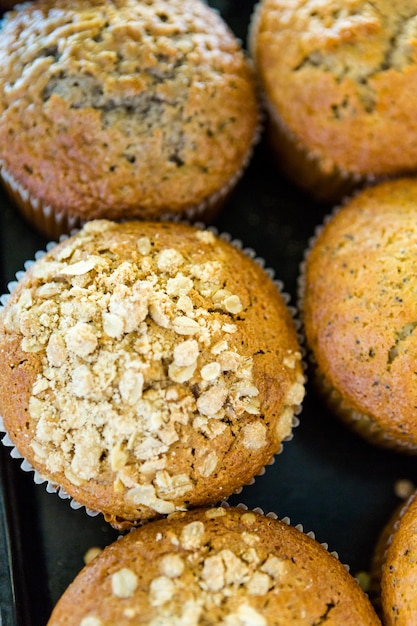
x=199, y=579
x=143, y=93
x=91, y=621
x=404, y=488
x=127, y=366
x=124, y=583
x=91, y=554
x=197, y=568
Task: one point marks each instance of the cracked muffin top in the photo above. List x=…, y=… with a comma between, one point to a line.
x=123, y=109
x=360, y=309
x=148, y=367
x=341, y=78
x=215, y=566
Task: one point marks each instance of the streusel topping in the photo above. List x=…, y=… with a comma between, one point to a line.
x=133, y=354
x=222, y=581
x=145, y=108
x=217, y=567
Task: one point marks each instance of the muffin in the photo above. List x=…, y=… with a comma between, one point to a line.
x=128, y=109
x=214, y=566
x=148, y=367
x=338, y=79
x=395, y=566
x=357, y=292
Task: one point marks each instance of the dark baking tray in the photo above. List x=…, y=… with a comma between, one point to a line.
x=326, y=478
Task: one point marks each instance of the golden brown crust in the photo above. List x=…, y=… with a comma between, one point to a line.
x=340, y=77
x=153, y=367
x=123, y=109
x=215, y=566
x=360, y=309
x=396, y=555
x=379, y=555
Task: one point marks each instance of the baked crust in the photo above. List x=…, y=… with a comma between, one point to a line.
x=340, y=81
x=123, y=109
x=215, y=566
x=360, y=312
x=148, y=367
x=394, y=564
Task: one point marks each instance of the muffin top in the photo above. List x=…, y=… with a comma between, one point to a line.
x=147, y=367
x=398, y=598
x=214, y=566
x=125, y=108
x=341, y=76
x=360, y=308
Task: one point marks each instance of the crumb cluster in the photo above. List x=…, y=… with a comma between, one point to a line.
x=212, y=582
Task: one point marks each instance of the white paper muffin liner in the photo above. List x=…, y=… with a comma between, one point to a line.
x=360, y=423
x=59, y=490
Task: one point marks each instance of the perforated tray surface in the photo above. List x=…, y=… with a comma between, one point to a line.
x=326, y=478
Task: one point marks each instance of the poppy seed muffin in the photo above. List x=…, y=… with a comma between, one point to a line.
x=147, y=367
x=215, y=566
x=339, y=83
x=128, y=109
x=395, y=566
x=357, y=292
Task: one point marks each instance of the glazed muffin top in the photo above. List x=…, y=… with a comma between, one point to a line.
x=115, y=109
x=360, y=310
x=340, y=75
x=215, y=566
x=147, y=367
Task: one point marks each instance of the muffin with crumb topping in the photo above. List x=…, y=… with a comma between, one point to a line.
x=394, y=566
x=339, y=83
x=128, y=109
x=214, y=566
x=147, y=367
